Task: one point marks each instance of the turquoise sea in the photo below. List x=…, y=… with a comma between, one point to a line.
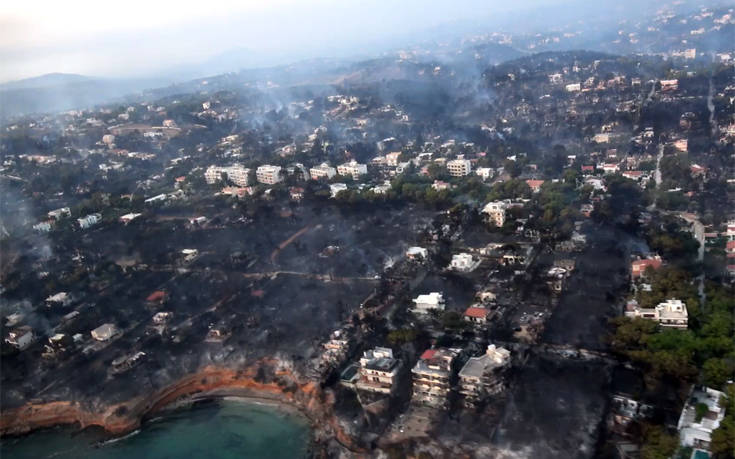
x=217, y=429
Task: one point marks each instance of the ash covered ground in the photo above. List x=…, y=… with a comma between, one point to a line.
x=254, y=290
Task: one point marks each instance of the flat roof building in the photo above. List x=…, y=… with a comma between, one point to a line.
x=352, y=168
x=459, y=167
x=434, y=301
x=378, y=371
x=701, y=415
x=671, y=313
x=269, y=175
x=464, y=262
x=495, y=212
x=324, y=170
x=431, y=376
x=237, y=174
x=484, y=375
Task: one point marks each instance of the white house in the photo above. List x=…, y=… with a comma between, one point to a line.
x=269, y=175
x=417, y=253
x=696, y=425
x=464, y=262
x=426, y=303
x=335, y=188
x=324, y=170
x=484, y=172
x=671, y=313
x=59, y=299
x=352, y=168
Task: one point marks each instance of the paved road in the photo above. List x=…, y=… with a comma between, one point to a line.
x=698, y=232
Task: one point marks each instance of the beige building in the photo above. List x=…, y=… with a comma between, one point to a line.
x=495, y=212
x=459, y=167
x=484, y=375
x=431, y=376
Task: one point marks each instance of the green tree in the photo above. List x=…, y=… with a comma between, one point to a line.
x=658, y=444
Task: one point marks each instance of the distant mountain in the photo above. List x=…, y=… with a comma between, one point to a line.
x=56, y=92
x=43, y=81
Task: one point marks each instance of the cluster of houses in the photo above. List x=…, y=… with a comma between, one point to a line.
x=671, y=313
x=701, y=415
x=432, y=376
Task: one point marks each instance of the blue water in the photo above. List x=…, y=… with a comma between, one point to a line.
x=222, y=429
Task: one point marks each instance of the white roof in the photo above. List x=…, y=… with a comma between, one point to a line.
x=431, y=298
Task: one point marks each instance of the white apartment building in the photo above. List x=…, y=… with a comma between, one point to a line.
x=459, y=167
x=464, y=262
x=352, y=168
x=378, y=371
x=430, y=302
x=671, y=313
x=324, y=170
x=495, y=211
x=482, y=376
x=236, y=173
x=431, y=377
x=269, y=175
x=695, y=430
x=89, y=220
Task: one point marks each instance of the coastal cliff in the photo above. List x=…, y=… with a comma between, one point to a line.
x=279, y=386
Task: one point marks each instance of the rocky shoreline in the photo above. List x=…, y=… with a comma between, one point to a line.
x=284, y=390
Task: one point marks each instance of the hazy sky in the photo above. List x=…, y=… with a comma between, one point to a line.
x=140, y=37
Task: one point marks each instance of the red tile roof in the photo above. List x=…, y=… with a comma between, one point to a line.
x=428, y=354
x=479, y=313
x=158, y=295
